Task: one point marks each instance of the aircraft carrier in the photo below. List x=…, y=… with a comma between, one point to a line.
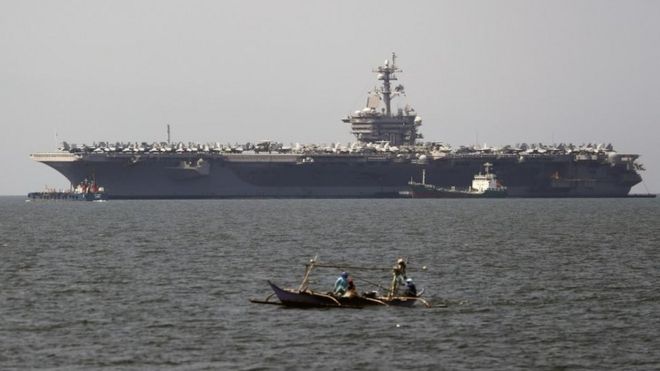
x=388, y=153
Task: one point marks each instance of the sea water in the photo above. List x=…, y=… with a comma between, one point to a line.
x=515, y=283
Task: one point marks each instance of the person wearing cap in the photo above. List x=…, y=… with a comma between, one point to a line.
x=341, y=285
x=410, y=290
x=401, y=264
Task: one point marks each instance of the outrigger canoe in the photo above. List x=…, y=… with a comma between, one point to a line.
x=303, y=297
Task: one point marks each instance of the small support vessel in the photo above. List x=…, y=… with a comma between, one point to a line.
x=85, y=191
x=484, y=185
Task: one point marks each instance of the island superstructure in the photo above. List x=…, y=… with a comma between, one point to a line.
x=387, y=153
x=372, y=126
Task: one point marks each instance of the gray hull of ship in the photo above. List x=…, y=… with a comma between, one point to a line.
x=336, y=176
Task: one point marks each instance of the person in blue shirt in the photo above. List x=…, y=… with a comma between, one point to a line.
x=410, y=290
x=341, y=285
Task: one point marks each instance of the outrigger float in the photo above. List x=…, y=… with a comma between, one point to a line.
x=304, y=297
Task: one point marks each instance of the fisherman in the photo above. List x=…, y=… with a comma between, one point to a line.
x=401, y=264
x=341, y=285
x=351, y=291
x=410, y=290
x=398, y=277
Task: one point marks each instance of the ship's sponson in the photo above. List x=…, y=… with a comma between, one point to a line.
x=203, y=174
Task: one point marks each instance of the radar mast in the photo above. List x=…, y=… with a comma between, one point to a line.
x=386, y=74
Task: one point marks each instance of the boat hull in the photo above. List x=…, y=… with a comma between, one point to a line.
x=332, y=176
x=425, y=191
x=67, y=196
x=309, y=299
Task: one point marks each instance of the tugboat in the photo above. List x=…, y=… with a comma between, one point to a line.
x=85, y=191
x=483, y=186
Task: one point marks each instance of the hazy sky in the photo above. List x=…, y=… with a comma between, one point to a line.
x=504, y=72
